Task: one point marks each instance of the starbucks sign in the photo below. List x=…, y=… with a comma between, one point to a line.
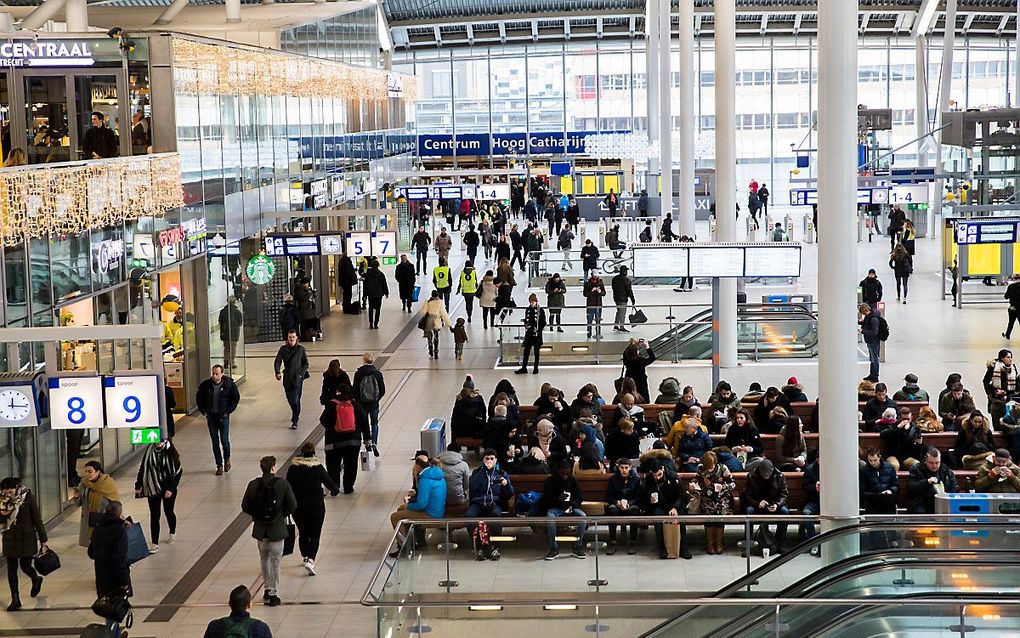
x=260, y=269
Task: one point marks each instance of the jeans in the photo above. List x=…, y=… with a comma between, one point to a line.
x=902, y=280
x=595, y=317
x=12, y=571
x=552, y=527
x=873, y=351
x=168, y=509
x=780, y=527
x=421, y=262
x=372, y=412
x=811, y=509
x=270, y=555
x=621, y=315
x=309, y=529
x=219, y=432
x=293, y=393
x=374, y=310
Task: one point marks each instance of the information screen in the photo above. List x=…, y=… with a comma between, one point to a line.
x=660, y=262
x=416, y=193
x=986, y=232
x=449, y=192
x=275, y=247
x=778, y=261
x=302, y=245
x=722, y=261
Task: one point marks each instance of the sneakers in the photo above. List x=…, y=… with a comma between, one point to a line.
x=171, y=539
x=494, y=554
x=153, y=549
x=309, y=566
x=553, y=553
x=273, y=601
x=521, y=371
x=480, y=555
x=293, y=425
x=579, y=552
x=375, y=452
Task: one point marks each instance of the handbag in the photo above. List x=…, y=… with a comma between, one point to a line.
x=288, y=543
x=112, y=607
x=415, y=294
x=367, y=461
x=138, y=548
x=46, y=562
x=421, y=322
x=638, y=316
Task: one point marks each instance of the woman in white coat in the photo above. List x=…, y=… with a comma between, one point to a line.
x=433, y=319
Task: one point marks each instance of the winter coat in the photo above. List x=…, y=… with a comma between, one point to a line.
x=534, y=324
x=489, y=292
x=228, y=400
x=973, y=443
x=443, y=244
x=565, y=239
x=623, y=289
x=435, y=315
x=431, y=495
x=404, y=274
x=165, y=467
x=992, y=483
x=772, y=490
x=875, y=481
x=902, y=267
x=375, y=284
x=230, y=322
x=873, y=410
x=276, y=529
x=713, y=502
x=457, y=475
x=903, y=443
x=290, y=319
x=792, y=394
x=672, y=492
x=622, y=446
x=336, y=440
x=619, y=488
x=594, y=291
x=951, y=406
x=921, y=493
x=346, y=276
x=589, y=257
x=782, y=459
x=362, y=373
x=685, y=446
x=108, y=549
x=871, y=290
x=294, y=363
x=664, y=457
x=331, y=384
x=306, y=477
x=910, y=392
x=95, y=497
x=305, y=302
x=718, y=404
x=669, y=392
x=552, y=494
x=485, y=487
x=22, y=537
x=468, y=418
x=556, y=292
x=421, y=241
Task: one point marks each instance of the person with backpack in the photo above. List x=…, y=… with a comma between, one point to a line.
x=469, y=412
x=646, y=234
x=239, y=624
x=347, y=428
x=307, y=477
x=369, y=389
x=269, y=500
x=291, y=367
x=875, y=331
x=216, y=398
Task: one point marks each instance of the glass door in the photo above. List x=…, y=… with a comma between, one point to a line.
x=98, y=115
x=47, y=119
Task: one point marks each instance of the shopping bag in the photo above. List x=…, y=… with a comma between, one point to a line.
x=415, y=294
x=46, y=562
x=671, y=538
x=638, y=316
x=288, y=543
x=137, y=547
x=367, y=461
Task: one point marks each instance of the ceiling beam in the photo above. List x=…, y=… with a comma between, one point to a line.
x=967, y=22
x=598, y=27
x=566, y=28
x=796, y=23
x=470, y=34
x=534, y=29
x=502, y=32
x=633, y=26
x=439, y=36
x=764, y=24
x=697, y=24
x=1002, y=25
x=925, y=17
x=864, y=23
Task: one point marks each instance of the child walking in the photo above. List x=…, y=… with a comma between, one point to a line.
x=459, y=338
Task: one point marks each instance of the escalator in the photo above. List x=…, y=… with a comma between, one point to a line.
x=906, y=568
x=764, y=331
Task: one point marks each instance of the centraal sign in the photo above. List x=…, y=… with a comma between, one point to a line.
x=46, y=53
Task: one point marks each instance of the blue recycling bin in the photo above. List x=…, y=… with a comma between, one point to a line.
x=433, y=436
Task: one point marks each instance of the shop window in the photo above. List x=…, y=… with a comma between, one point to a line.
x=15, y=278
x=46, y=116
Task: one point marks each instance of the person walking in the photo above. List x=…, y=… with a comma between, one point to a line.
x=871, y=328
x=871, y=289
x=611, y=201
x=642, y=203
x=909, y=237
x=1013, y=297
x=229, y=321
x=443, y=244
x=594, y=291
x=95, y=492
x=334, y=378
x=517, y=242
x=108, y=551
x=369, y=389
x=896, y=220
x=307, y=478
x=24, y=535
x=534, y=325
x=159, y=475
x=556, y=293
x=565, y=243
x=404, y=274
x=903, y=265
x=217, y=397
x=346, y=279
x=487, y=300
x=239, y=622
x=589, y=258
x=763, y=197
x=433, y=319
x=346, y=426
x=269, y=500
x=471, y=243
x=468, y=287
x=442, y=280
x=574, y=214
x=294, y=361
x=420, y=242
x=533, y=244
x=623, y=291
x=375, y=290
x=666, y=233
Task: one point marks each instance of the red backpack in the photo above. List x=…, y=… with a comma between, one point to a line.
x=345, y=423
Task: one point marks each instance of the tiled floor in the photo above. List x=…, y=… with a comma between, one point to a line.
x=928, y=338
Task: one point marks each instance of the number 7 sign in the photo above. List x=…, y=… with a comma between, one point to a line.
x=384, y=243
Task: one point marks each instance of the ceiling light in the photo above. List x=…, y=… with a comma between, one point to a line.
x=485, y=607
x=560, y=607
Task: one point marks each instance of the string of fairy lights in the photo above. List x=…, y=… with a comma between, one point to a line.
x=71, y=198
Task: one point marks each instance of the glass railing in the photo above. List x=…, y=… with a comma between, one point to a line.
x=676, y=332
x=541, y=265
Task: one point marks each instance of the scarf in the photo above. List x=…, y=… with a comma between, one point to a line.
x=545, y=435
x=93, y=492
x=159, y=465
x=9, y=508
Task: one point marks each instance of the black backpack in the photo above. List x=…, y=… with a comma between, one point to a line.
x=265, y=504
x=883, y=329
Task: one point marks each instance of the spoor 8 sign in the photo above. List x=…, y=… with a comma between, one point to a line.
x=131, y=402
x=76, y=402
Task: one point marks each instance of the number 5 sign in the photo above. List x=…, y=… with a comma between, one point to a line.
x=131, y=401
x=76, y=402
x=359, y=244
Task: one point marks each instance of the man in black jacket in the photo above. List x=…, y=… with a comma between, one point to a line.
x=375, y=290
x=1013, y=297
x=471, y=243
x=875, y=406
x=663, y=494
x=561, y=496
x=623, y=291
x=870, y=328
x=99, y=141
x=871, y=289
x=346, y=279
x=217, y=398
x=240, y=617
x=294, y=361
x=420, y=242
x=405, y=276
x=369, y=389
x=929, y=477
x=269, y=512
x=517, y=242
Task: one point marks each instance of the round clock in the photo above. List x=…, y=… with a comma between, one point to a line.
x=15, y=405
x=331, y=244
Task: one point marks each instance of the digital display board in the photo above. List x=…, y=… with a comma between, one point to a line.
x=986, y=232
x=777, y=261
x=719, y=261
x=415, y=193
x=300, y=245
x=661, y=262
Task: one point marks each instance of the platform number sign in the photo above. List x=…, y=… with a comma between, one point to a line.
x=359, y=244
x=131, y=401
x=76, y=402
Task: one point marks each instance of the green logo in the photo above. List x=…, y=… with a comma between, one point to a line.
x=144, y=436
x=260, y=269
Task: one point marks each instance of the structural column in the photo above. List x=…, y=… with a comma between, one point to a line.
x=688, y=84
x=945, y=86
x=726, y=169
x=666, y=105
x=652, y=93
x=921, y=99
x=233, y=11
x=837, y=263
x=76, y=16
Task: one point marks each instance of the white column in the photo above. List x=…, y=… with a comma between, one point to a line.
x=652, y=92
x=921, y=99
x=42, y=14
x=725, y=30
x=945, y=87
x=666, y=106
x=837, y=322
x=1016, y=61
x=76, y=16
x=688, y=85
x=6, y=22
x=233, y=11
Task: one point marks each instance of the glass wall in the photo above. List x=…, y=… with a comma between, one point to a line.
x=352, y=38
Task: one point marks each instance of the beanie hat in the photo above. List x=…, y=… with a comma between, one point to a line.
x=469, y=383
x=791, y=381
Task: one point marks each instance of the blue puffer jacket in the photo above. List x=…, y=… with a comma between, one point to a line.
x=877, y=481
x=688, y=446
x=431, y=493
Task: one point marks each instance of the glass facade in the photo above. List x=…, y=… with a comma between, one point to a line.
x=603, y=86
x=352, y=38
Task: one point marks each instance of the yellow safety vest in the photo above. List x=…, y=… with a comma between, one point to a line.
x=469, y=282
x=441, y=275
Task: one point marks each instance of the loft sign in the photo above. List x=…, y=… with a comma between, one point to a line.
x=46, y=53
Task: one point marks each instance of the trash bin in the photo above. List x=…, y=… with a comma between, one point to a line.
x=433, y=436
x=971, y=506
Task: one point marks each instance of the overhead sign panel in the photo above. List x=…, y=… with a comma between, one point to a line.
x=717, y=260
x=986, y=232
x=131, y=401
x=76, y=402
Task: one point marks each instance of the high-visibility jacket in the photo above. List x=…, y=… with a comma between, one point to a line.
x=441, y=277
x=469, y=282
